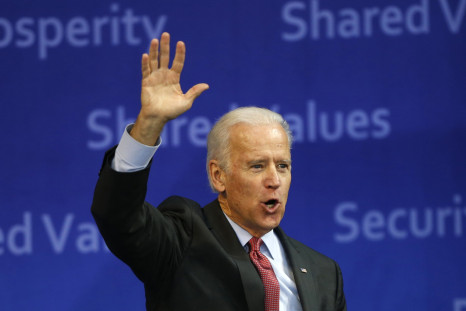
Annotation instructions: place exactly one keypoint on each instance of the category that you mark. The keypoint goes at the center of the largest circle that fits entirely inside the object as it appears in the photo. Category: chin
(272, 224)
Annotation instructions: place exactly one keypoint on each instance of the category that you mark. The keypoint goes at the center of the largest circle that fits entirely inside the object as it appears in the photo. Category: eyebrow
(259, 161)
(252, 162)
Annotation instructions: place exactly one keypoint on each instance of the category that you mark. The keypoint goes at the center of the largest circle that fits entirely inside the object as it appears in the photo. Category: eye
(257, 166)
(283, 166)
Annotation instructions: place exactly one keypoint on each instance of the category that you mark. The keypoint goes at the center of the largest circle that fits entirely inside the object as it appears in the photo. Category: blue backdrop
(374, 92)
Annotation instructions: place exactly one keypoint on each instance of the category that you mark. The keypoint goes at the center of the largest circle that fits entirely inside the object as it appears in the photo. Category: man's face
(259, 177)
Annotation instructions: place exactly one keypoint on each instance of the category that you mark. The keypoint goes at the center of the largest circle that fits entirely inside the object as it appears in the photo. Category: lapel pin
(303, 270)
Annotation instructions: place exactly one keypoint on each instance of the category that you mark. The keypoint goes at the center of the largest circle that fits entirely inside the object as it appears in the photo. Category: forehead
(258, 138)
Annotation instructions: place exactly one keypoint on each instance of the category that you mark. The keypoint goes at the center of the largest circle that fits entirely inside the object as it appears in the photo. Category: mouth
(271, 204)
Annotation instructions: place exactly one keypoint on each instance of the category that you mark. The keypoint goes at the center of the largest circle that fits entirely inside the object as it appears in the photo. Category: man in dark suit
(231, 254)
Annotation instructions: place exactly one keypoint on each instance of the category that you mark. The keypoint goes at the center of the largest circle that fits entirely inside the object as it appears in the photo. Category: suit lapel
(222, 230)
(303, 274)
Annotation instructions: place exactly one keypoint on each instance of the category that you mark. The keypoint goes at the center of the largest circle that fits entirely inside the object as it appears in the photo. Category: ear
(217, 175)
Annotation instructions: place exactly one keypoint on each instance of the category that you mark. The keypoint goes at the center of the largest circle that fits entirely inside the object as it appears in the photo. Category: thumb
(196, 90)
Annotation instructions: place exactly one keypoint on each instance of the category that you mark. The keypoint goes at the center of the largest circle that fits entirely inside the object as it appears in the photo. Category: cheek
(285, 189)
(234, 186)
(286, 184)
(242, 189)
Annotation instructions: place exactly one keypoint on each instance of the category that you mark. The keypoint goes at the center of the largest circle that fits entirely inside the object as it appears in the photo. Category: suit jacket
(189, 258)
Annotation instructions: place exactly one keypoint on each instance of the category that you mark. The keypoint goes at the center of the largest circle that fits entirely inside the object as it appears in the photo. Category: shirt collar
(270, 239)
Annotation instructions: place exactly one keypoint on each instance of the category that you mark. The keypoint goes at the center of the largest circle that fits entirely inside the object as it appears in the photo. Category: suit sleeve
(151, 241)
(340, 302)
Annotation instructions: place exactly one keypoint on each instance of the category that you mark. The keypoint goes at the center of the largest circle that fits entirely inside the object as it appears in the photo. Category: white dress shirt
(131, 156)
(273, 250)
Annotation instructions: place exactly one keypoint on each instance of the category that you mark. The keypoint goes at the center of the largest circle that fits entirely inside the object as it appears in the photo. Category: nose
(272, 179)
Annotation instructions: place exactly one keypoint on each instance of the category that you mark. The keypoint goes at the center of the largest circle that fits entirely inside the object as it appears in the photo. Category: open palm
(161, 96)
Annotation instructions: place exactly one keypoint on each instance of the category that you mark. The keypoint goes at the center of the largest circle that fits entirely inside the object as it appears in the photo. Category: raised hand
(161, 96)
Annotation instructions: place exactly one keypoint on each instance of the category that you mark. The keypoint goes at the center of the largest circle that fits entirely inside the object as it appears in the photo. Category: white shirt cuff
(131, 155)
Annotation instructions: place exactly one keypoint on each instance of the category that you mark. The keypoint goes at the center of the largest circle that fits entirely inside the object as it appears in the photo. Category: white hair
(218, 141)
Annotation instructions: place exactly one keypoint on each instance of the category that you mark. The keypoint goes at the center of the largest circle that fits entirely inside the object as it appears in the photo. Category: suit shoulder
(179, 205)
(307, 251)
(175, 200)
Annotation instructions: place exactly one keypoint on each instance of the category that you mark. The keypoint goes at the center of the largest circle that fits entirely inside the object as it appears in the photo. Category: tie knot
(255, 244)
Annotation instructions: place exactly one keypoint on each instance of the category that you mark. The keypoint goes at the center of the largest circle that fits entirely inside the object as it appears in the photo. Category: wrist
(147, 130)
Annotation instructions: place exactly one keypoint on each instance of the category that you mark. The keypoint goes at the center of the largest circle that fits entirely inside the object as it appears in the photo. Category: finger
(196, 90)
(164, 50)
(154, 54)
(178, 61)
(145, 67)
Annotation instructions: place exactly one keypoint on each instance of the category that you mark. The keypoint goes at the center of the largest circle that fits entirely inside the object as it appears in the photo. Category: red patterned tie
(271, 286)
